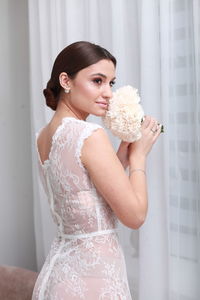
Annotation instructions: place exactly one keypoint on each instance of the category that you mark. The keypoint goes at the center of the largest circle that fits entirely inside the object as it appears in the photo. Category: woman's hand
(150, 130)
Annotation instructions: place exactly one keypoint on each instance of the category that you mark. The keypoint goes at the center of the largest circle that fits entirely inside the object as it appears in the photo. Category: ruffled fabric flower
(125, 114)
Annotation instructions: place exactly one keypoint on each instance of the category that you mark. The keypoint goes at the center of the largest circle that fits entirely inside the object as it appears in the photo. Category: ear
(64, 80)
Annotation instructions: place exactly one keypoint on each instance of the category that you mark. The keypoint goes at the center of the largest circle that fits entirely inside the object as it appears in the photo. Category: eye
(97, 81)
(112, 83)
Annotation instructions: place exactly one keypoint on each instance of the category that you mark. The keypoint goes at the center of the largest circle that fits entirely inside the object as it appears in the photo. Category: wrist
(137, 161)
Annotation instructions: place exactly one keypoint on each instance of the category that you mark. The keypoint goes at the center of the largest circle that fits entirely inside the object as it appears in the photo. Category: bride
(85, 180)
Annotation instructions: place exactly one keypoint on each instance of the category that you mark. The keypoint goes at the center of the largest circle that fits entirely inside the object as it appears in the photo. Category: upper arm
(108, 175)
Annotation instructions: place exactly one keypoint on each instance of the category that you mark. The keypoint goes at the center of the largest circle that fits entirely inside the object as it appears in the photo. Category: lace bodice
(86, 238)
(76, 206)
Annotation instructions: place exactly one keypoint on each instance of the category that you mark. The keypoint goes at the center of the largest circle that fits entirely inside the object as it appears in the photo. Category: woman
(85, 180)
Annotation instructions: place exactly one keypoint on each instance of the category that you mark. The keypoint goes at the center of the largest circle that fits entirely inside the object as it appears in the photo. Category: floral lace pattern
(85, 260)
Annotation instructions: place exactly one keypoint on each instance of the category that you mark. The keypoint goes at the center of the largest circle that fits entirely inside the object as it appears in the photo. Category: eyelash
(99, 80)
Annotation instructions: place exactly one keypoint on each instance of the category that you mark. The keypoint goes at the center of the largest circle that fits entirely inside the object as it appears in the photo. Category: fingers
(154, 128)
(157, 132)
(151, 126)
(124, 144)
(146, 121)
(149, 122)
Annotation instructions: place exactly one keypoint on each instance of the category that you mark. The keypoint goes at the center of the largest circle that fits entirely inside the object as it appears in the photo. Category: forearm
(122, 154)
(139, 182)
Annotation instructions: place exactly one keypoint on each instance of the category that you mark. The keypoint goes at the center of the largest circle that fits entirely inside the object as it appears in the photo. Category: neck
(71, 110)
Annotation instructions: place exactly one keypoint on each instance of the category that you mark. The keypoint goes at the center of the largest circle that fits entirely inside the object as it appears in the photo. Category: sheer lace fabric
(85, 260)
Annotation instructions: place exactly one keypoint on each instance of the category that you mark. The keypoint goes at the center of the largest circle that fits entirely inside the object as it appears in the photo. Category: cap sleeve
(87, 131)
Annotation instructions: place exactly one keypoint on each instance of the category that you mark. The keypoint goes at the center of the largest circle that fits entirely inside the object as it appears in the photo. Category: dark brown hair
(71, 60)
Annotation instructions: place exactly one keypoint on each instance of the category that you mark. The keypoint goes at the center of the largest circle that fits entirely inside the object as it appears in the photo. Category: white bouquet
(125, 115)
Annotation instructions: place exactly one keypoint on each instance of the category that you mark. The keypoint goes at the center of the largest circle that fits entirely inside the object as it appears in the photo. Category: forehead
(103, 66)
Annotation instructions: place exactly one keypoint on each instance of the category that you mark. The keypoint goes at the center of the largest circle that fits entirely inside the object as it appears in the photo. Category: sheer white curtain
(153, 235)
(156, 43)
(181, 55)
(169, 240)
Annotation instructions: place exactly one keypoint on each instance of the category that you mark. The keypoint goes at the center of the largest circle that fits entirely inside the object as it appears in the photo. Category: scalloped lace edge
(86, 133)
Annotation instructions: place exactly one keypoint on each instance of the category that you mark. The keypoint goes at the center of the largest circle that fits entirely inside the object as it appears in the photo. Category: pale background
(156, 43)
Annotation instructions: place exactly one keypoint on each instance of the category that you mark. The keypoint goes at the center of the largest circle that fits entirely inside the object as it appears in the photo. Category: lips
(103, 104)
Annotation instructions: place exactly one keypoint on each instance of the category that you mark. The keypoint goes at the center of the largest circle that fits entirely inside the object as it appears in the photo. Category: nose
(107, 92)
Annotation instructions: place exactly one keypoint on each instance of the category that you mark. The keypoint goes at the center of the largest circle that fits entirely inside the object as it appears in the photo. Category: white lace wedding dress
(85, 260)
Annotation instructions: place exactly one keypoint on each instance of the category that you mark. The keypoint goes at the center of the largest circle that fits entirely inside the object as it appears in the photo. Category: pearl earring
(67, 90)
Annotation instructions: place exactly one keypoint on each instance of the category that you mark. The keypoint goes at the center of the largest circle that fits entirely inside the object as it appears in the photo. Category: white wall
(17, 244)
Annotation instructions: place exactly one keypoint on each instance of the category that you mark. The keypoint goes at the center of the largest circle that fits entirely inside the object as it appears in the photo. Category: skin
(106, 168)
(91, 85)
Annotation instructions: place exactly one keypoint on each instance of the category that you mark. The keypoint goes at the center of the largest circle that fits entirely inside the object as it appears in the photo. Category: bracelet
(135, 170)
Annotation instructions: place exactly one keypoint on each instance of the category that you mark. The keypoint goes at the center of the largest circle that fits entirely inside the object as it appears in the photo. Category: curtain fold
(153, 235)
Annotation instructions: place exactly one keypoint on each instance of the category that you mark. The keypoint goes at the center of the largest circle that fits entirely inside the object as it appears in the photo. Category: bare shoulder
(41, 137)
(97, 141)
(98, 152)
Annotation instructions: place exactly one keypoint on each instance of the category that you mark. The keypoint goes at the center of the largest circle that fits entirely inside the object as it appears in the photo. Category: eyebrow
(102, 75)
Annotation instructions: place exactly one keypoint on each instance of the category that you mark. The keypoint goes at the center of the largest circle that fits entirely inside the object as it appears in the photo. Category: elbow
(139, 217)
(135, 222)
(138, 224)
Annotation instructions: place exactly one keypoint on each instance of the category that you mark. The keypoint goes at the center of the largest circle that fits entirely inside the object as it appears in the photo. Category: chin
(100, 114)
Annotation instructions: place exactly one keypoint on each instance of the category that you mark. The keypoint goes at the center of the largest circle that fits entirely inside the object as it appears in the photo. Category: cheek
(88, 89)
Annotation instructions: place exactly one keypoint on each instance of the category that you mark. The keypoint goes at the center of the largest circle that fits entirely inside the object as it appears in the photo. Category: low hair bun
(50, 99)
